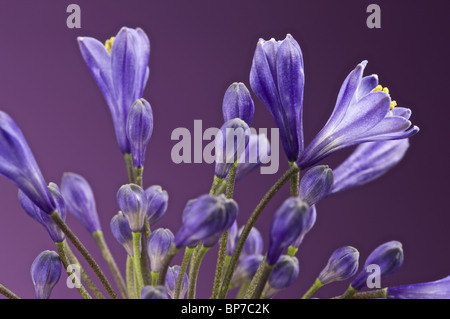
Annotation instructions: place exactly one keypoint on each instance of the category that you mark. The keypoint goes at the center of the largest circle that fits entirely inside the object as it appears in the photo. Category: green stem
(84, 276)
(217, 181)
(267, 270)
(84, 252)
(154, 278)
(193, 271)
(131, 285)
(8, 293)
(242, 291)
(348, 293)
(139, 175)
(65, 261)
(315, 286)
(184, 264)
(374, 294)
(249, 225)
(292, 251)
(295, 180)
(220, 265)
(145, 266)
(231, 180)
(130, 168)
(106, 253)
(254, 282)
(137, 260)
(165, 265)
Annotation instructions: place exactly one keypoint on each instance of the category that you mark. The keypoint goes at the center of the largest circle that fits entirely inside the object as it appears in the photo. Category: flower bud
(157, 203)
(230, 142)
(287, 224)
(342, 265)
(158, 246)
(139, 130)
(256, 153)
(232, 238)
(284, 273)
(133, 203)
(206, 219)
(154, 292)
(238, 103)
(253, 244)
(316, 184)
(121, 231)
(309, 223)
(388, 256)
(171, 282)
(246, 269)
(45, 273)
(80, 201)
(439, 289)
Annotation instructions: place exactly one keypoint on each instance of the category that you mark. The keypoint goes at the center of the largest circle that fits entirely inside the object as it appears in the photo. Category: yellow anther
(379, 88)
(386, 90)
(109, 43)
(393, 104)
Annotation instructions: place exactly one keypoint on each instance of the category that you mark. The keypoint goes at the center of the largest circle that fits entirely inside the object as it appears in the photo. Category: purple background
(198, 49)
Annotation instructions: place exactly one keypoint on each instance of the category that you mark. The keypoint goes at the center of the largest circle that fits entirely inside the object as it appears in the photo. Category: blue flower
(154, 292)
(256, 153)
(238, 103)
(171, 281)
(120, 68)
(121, 231)
(158, 246)
(45, 273)
(439, 289)
(157, 203)
(316, 184)
(342, 265)
(246, 269)
(133, 203)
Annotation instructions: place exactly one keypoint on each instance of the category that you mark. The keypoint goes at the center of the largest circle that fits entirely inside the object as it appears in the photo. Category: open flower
(439, 289)
(364, 112)
(120, 68)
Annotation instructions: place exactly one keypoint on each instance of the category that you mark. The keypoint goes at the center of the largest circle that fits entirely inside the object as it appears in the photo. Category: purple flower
(43, 218)
(206, 219)
(45, 273)
(80, 201)
(362, 114)
(157, 203)
(158, 246)
(246, 269)
(230, 142)
(287, 225)
(316, 184)
(284, 273)
(133, 203)
(121, 231)
(309, 223)
(439, 289)
(368, 162)
(171, 282)
(17, 164)
(120, 68)
(388, 256)
(238, 103)
(232, 238)
(342, 265)
(253, 244)
(277, 78)
(256, 153)
(139, 130)
(154, 292)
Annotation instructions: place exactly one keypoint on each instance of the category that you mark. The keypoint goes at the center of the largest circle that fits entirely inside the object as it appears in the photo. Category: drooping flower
(230, 143)
(342, 265)
(17, 164)
(364, 112)
(238, 103)
(315, 184)
(45, 273)
(154, 292)
(277, 78)
(133, 203)
(368, 162)
(256, 153)
(139, 130)
(287, 225)
(121, 231)
(157, 203)
(439, 289)
(206, 219)
(246, 270)
(80, 201)
(171, 282)
(120, 68)
(284, 273)
(158, 246)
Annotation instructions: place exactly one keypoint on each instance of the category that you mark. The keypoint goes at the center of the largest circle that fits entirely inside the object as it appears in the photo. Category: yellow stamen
(109, 43)
(379, 88)
(393, 104)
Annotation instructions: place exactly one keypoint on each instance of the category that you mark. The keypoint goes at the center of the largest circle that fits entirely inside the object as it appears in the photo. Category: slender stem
(66, 263)
(315, 286)
(154, 278)
(184, 264)
(84, 276)
(252, 286)
(348, 293)
(221, 187)
(137, 260)
(131, 278)
(263, 280)
(84, 252)
(242, 291)
(220, 265)
(8, 293)
(193, 271)
(165, 265)
(248, 226)
(295, 180)
(216, 183)
(145, 266)
(374, 294)
(231, 180)
(106, 253)
(139, 175)
(130, 168)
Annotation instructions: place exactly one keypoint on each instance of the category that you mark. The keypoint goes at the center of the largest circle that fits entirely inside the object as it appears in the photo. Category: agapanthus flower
(342, 265)
(157, 203)
(439, 289)
(316, 184)
(158, 246)
(256, 153)
(230, 143)
(45, 273)
(17, 164)
(232, 238)
(364, 112)
(154, 292)
(238, 103)
(368, 162)
(277, 78)
(171, 281)
(253, 244)
(206, 219)
(120, 68)
(284, 273)
(307, 226)
(133, 203)
(139, 130)
(80, 201)
(121, 231)
(246, 269)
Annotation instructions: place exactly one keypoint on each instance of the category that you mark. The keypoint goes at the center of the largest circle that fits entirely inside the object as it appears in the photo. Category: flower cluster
(364, 116)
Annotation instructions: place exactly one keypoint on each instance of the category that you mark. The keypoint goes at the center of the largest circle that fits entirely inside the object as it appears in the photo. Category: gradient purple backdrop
(198, 49)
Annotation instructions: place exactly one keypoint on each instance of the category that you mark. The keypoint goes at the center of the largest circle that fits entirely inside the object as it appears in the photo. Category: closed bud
(158, 246)
(238, 103)
(246, 270)
(157, 203)
(121, 231)
(232, 238)
(256, 153)
(342, 265)
(154, 292)
(253, 244)
(316, 184)
(439, 289)
(133, 203)
(284, 273)
(309, 223)
(171, 282)
(45, 273)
